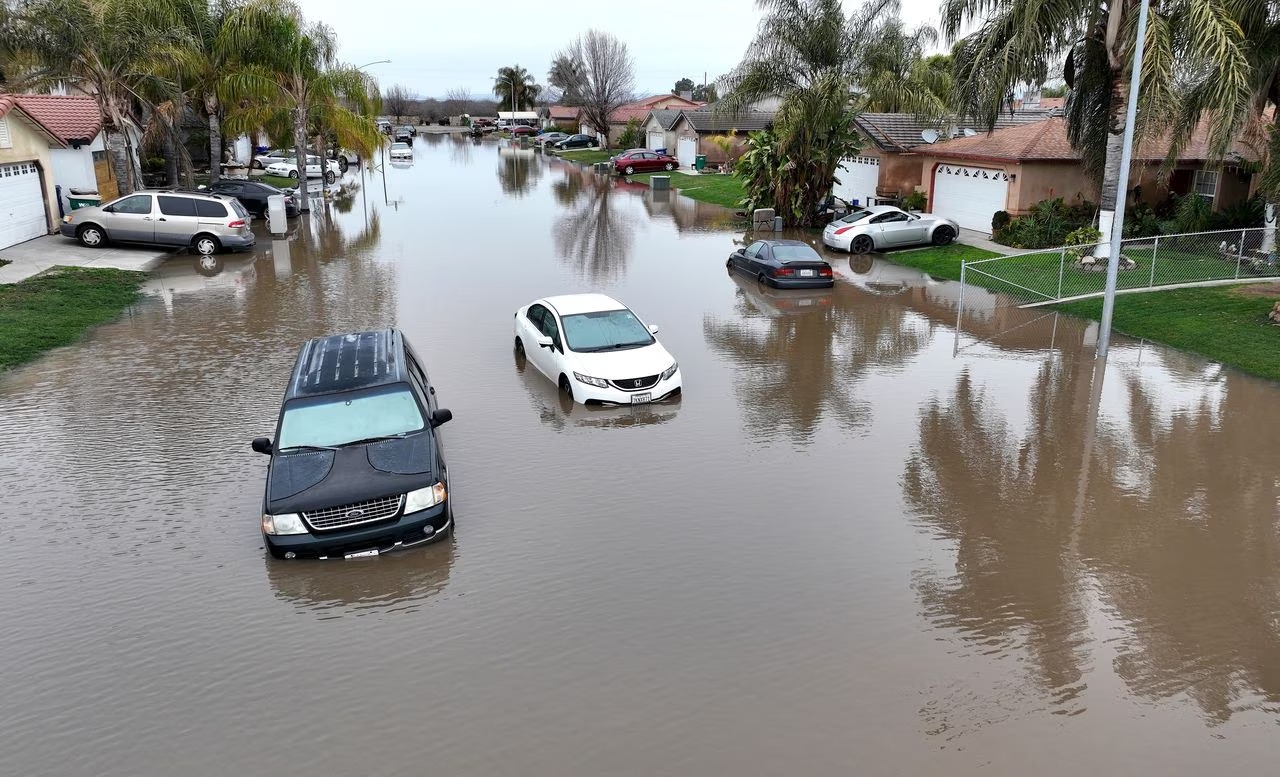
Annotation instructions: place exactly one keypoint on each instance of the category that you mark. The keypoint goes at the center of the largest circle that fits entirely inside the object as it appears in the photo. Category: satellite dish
(953, 131)
(929, 136)
(969, 132)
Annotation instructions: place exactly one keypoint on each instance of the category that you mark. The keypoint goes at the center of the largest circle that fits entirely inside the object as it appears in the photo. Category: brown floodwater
(862, 543)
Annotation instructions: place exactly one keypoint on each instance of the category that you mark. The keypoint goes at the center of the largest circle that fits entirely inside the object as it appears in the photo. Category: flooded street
(862, 543)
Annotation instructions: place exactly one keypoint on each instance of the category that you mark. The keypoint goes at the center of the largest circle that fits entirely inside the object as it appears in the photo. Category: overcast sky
(438, 46)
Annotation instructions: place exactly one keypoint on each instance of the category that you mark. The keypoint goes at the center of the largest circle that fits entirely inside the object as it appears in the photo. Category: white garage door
(970, 195)
(22, 214)
(657, 140)
(687, 151)
(857, 177)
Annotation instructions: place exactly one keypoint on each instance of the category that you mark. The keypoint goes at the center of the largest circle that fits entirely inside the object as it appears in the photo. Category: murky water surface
(861, 544)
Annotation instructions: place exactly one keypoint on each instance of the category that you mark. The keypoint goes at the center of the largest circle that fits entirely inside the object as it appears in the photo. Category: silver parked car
(207, 223)
(879, 227)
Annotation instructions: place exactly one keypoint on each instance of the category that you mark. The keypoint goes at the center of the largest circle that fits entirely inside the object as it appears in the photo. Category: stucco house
(970, 178)
(563, 115)
(28, 205)
(693, 130)
(80, 162)
(657, 129)
(638, 110)
(888, 166)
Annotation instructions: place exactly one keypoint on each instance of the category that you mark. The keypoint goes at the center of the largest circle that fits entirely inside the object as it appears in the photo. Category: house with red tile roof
(970, 178)
(28, 205)
(80, 162)
(638, 110)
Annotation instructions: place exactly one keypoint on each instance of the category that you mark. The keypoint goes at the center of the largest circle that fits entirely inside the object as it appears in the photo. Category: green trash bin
(82, 199)
(700, 161)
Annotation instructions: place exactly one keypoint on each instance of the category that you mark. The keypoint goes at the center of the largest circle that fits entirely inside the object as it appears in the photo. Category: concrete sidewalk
(36, 256)
(970, 237)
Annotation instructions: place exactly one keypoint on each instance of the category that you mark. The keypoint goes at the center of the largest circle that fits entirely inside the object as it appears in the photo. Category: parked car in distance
(401, 151)
(577, 141)
(596, 350)
(523, 129)
(384, 126)
(356, 463)
(204, 221)
(253, 195)
(783, 264)
(413, 131)
(288, 168)
(345, 158)
(550, 138)
(879, 227)
(261, 161)
(643, 162)
(402, 135)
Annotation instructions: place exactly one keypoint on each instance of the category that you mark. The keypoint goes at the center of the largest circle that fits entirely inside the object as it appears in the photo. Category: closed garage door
(657, 140)
(22, 213)
(969, 195)
(687, 151)
(857, 178)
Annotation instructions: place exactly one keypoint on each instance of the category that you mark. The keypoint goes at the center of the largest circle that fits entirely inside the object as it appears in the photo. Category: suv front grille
(353, 514)
(636, 384)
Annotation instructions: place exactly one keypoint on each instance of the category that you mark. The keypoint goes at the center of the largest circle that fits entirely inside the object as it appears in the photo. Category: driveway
(36, 256)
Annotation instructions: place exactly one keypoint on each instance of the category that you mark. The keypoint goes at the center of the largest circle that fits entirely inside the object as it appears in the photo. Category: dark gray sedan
(783, 264)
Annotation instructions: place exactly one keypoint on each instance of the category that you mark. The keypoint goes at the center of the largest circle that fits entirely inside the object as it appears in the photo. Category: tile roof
(11, 102)
(68, 117)
(901, 131)
(657, 98)
(722, 121)
(1047, 141)
(563, 111)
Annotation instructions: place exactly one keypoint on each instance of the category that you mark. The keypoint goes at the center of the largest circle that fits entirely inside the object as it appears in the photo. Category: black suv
(356, 467)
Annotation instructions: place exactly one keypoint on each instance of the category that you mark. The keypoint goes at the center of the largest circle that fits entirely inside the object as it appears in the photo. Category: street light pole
(1122, 187)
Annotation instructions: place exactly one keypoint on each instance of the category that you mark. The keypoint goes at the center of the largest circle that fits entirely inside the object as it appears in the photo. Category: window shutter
(5, 141)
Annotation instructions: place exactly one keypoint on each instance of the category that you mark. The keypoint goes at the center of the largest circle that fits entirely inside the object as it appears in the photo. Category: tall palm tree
(295, 80)
(516, 87)
(105, 48)
(898, 76)
(1021, 41)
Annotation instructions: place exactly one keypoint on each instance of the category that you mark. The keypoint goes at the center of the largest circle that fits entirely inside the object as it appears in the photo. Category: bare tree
(396, 100)
(457, 101)
(604, 71)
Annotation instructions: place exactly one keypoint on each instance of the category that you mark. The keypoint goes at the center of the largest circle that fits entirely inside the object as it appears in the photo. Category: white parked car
(288, 168)
(401, 151)
(596, 350)
(879, 227)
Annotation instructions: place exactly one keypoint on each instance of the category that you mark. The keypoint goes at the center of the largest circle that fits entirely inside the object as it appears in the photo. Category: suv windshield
(605, 330)
(341, 419)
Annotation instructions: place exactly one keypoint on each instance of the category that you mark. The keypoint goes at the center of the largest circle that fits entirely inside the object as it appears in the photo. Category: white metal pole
(1122, 189)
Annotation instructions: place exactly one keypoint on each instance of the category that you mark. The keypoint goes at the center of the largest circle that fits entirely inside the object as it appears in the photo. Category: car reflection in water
(780, 302)
(560, 412)
(401, 581)
(187, 274)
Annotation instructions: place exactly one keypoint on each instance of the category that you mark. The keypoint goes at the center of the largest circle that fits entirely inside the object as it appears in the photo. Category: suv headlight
(601, 382)
(668, 372)
(284, 523)
(423, 498)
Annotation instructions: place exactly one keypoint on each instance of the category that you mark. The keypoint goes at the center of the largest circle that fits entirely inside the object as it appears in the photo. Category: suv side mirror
(261, 445)
(441, 416)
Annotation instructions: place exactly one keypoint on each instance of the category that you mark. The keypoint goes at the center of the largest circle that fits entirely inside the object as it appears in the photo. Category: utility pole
(1122, 188)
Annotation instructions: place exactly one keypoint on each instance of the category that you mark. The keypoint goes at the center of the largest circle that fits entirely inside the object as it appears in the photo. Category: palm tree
(105, 48)
(516, 87)
(296, 82)
(811, 56)
(1026, 41)
(899, 77)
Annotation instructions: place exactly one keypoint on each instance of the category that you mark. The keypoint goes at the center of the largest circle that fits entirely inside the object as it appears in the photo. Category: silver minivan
(207, 223)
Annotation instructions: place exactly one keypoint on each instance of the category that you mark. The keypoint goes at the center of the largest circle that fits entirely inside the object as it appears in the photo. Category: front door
(131, 219)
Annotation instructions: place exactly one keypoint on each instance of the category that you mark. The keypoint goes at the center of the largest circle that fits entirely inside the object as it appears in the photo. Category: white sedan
(401, 151)
(288, 168)
(596, 350)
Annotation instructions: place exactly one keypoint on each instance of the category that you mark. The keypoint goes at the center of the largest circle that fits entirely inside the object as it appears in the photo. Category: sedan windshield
(855, 217)
(789, 253)
(341, 419)
(605, 330)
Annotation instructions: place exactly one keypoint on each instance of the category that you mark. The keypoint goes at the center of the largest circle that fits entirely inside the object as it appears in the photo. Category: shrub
(999, 220)
(631, 136)
(914, 201)
(1191, 213)
(1141, 221)
(1084, 238)
(1046, 224)
(1239, 216)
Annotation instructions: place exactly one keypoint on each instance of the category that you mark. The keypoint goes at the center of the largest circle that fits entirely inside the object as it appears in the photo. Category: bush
(1191, 213)
(999, 220)
(631, 136)
(1046, 225)
(1084, 238)
(1141, 221)
(914, 201)
(1239, 216)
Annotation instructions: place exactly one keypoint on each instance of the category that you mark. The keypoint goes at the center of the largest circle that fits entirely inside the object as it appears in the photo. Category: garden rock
(1274, 315)
(1094, 264)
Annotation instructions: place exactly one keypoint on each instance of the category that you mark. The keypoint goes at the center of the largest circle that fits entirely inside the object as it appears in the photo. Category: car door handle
(146, 218)
(162, 218)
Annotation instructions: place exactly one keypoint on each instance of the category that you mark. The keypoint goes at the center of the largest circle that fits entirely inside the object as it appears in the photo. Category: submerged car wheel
(91, 236)
(565, 387)
(943, 235)
(205, 245)
(861, 245)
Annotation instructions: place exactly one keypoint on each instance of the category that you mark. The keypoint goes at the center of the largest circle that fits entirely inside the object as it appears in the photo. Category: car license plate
(640, 399)
(806, 273)
(362, 553)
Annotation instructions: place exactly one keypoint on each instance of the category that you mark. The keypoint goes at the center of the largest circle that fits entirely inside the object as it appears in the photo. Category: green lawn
(281, 182)
(55, 308)
(586, 156)
(1221, 323)
(717, 189)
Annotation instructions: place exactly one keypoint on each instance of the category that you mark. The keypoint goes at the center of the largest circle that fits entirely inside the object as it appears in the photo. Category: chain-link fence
(1072, 272)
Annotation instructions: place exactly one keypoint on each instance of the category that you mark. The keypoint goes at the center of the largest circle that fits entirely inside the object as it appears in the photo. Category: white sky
(444, 44)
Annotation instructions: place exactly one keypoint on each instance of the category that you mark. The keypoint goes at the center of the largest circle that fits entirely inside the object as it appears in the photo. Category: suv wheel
(206, 245)
(91, 236)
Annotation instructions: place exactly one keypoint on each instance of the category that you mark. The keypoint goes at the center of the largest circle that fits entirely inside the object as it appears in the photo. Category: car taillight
(825, 272)
(842, 230)
(237, 224)
(784, 271)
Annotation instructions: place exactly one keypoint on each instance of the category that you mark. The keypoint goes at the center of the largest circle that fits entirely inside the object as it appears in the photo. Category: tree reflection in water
(593, 234)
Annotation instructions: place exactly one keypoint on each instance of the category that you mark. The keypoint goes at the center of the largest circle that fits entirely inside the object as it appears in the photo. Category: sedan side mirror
(653, 329)
(262, 445)
(441, 416)
(544, 341)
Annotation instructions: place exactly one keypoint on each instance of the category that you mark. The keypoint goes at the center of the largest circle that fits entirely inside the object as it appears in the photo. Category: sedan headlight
(668, 372)
(284, 523)
(415, 501)
(599, 382)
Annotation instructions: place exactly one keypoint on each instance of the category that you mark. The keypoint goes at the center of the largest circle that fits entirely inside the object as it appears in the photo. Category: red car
(643, 162)
(523, 129)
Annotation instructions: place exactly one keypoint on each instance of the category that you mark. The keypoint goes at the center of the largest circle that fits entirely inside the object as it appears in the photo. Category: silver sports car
(879, 227)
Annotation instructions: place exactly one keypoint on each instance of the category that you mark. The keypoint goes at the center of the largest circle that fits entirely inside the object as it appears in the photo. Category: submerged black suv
(356, 467)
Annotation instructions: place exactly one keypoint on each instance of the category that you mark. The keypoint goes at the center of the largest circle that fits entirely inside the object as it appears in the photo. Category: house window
(1206, 183)
(100, 156)
(5, 141)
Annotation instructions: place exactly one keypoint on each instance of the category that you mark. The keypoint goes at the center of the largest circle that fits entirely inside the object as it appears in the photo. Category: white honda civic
(596, 350)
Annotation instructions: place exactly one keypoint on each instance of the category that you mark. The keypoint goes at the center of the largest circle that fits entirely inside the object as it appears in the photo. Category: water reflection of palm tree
(593, 234)
(798, 369)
